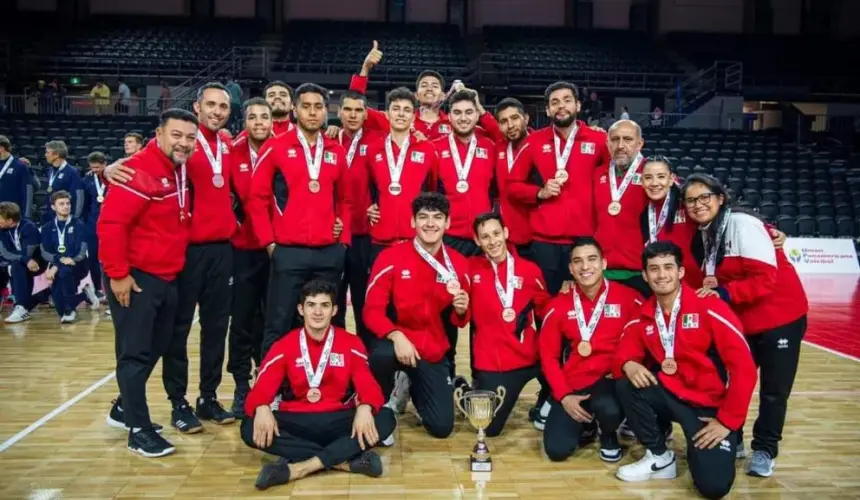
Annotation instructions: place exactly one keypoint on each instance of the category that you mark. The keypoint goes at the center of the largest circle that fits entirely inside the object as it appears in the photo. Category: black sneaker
(116, 418)
(461, 382)
(148, 443)
(239, 397)
(183, 418)
(588, 435)
(273, 475)
(368, 463)
(211, 409)
(610, 449)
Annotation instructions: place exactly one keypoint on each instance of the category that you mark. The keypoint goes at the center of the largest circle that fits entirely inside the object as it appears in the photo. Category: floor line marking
(832, 351)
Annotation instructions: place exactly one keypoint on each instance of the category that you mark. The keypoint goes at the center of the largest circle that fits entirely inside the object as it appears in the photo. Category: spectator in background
(164, 97)
(124, 101)
(657, 117)
(16, 181)
(235, 99)
(101, 97)
(595, 109)
(132, 143)
(625, 113)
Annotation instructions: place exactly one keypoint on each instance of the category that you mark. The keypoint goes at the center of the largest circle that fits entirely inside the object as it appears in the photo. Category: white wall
(516, 12)
(235, 8)
(145, 7)
(714, 16)
(612, 14)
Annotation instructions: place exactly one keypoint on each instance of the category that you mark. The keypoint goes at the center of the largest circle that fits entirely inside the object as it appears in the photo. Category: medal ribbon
(667, 334)
(16, 236)
(315, 377)
(446, 272)
(462, 168)
(353, 146)
(655, 224)
(710, 264)
(506, 294)
(254, 158)
(52, 175)
(395, 169)
(61, 235)
(216, 161)
(181, 188)
(586, 330)
(561, 159)
(314, 163)
(6, 165)
(615, 190)
(100, 187)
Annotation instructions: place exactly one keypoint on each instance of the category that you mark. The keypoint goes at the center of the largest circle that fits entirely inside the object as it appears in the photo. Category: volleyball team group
(635, 298)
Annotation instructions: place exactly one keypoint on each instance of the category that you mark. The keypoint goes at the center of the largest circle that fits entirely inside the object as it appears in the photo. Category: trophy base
(481, 465)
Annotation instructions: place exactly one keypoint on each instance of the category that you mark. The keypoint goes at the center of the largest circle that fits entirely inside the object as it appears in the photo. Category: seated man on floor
(328, 413)
(700, 346)
(19, 249)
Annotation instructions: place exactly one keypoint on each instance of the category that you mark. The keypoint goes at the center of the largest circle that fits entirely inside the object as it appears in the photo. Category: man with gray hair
(62, 176)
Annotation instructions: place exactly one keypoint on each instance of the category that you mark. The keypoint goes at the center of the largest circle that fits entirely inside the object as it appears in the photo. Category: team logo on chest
(481, 153)
(291, 153)
(418, 157)
(336, 359)
(476, 279)
(547, 148)
(362, 150)
(690, 321)
(587, 148)
(444, 129)
(612, 311)
(446, 154)
(329, 157)
(405, 274)
(243, 167)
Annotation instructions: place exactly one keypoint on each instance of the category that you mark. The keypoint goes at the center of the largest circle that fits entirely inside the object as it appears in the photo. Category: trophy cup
(480, 407)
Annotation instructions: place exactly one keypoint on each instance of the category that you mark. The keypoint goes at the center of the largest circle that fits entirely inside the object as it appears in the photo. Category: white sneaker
(69, 318)
(389, 441)
(400, 394)
(18, 315)
(649, 467)
(108, 313)
(540, 422)
(92, 298)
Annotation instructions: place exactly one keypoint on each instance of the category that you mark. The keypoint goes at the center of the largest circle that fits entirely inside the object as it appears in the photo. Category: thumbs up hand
(373, 58)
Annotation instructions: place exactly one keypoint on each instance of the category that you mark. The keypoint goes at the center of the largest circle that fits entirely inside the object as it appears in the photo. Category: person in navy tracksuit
(65, 177)
(64, 247)
(19, 249)
(94, 196)
(16, 185)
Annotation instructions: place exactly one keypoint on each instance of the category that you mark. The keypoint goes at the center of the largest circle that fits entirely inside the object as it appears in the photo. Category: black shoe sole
(225, 421)
(192, 430)
(162, 453)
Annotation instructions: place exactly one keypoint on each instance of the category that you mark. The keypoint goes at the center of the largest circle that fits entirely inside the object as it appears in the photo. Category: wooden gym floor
(56, 385)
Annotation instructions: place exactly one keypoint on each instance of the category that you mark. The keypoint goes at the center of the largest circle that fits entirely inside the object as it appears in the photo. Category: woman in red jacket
(742, 266)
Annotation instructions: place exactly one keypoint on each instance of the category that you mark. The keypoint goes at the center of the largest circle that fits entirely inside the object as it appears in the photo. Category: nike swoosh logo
(654, 467)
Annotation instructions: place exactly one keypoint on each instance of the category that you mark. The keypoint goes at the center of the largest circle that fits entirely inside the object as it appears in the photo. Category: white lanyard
(254, 158)
(100, 188)
(315, 377)
(586, 330)
(463, 168)
(506, 294)
(667, 334)
(52, 175)
(6, 165)
(314, 163)
(353, 146)
(655, 224)
(216, 161)
(181, 190)
(395, 169)
(561, 157)
(16, 236)
(710, 264)
(615, 190)
(446, 272)
(61, 235)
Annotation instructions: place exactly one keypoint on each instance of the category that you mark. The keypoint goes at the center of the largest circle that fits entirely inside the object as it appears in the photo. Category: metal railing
(83, 105)
(721, 77)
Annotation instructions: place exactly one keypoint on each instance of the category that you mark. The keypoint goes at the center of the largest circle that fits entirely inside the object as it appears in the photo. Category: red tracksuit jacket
(298, 216)
(241, 174)
(401, 277)
(763, 287)
(359, 178)
(212, 217)
(516, 214)
(140, 225)
(570, 214)
(620, 235)
(478, 199)
(702, 379)
(680, 230)
(498, 345)
(560, 336)
(347, 369)
(419, 174)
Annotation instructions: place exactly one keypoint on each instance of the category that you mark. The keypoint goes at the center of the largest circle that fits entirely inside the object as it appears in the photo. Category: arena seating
(340, 47)
(803, 190)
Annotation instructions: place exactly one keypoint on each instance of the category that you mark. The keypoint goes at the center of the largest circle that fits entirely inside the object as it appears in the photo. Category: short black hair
(312, 88)
(586, 241)
(559, 86)
(660, 159)
(431, 202)
(254, 101)
(510, 102)
(355, 95)
(484, 218)
(318, 287)
(137, 137)
(278, 83)
(211, 85)
(432, 74)
(96, 157)
(464, 95)
(401, 94)
(177, 114)
(661, 249)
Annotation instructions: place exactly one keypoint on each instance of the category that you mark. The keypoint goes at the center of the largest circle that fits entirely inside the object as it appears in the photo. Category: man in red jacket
(279, 95)
(250, 260)
(700, 345)
(415, 287)
(578, 340)
(316, 404)
(144, 229)
(299, 192)
(513, 124)
(508, 294)
(619, 201)
(207, 276)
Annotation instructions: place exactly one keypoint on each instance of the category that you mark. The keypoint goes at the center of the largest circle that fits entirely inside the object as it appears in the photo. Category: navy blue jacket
(17, 185)
(66, 178)
(92, 207)
(29, 239)
(75, 240)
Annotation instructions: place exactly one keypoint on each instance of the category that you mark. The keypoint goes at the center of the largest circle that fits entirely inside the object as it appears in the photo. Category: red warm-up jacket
(564, 368)
(359, 178)
(498, 345)
(282, 207)
(212, 218)
(140, 225)
(241, 175)
(715, 366)
(400, 277)
(570, 214)
(680, 230)
(283, 375)
(620, 235)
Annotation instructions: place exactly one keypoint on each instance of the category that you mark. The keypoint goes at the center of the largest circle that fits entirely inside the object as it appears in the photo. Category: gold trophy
(480, 407)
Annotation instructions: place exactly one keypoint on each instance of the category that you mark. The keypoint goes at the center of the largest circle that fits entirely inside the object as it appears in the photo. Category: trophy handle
(500, 395)
(459, 399)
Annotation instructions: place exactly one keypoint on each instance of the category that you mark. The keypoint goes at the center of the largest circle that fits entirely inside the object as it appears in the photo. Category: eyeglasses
(702, 199)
